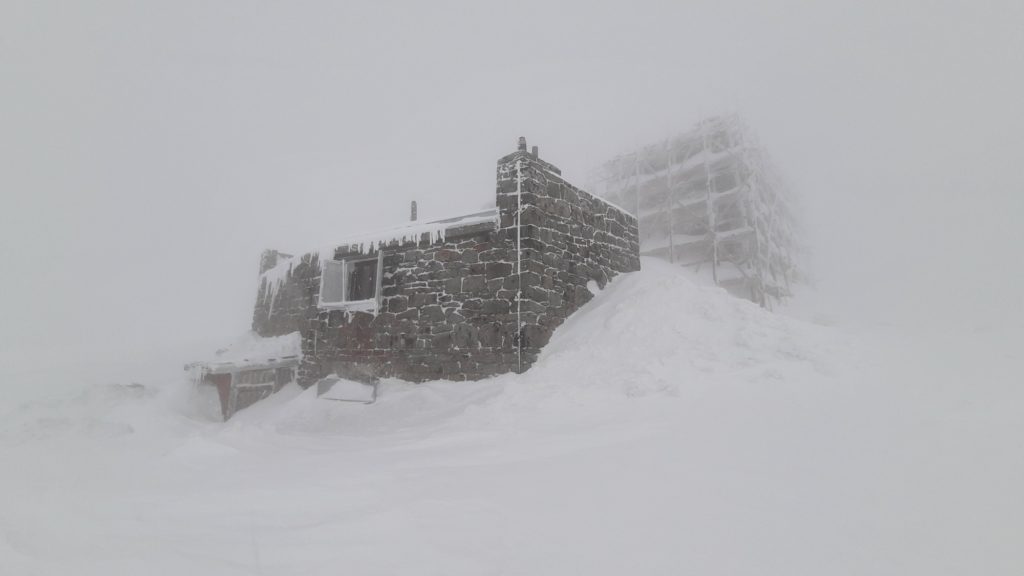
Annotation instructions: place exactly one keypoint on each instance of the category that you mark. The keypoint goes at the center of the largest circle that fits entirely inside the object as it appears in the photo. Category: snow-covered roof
(411, 232)
(253, 351)
(414, 231)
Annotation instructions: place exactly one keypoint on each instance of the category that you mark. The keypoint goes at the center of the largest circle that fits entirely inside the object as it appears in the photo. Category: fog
(150, 151)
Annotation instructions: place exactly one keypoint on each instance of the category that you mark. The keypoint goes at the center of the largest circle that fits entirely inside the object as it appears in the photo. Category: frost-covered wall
(451, 305)
(570, 239)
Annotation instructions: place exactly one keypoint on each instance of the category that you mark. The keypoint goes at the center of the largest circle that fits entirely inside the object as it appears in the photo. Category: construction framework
(710, 199)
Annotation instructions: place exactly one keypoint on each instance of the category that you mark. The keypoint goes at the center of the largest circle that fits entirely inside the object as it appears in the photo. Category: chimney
(270, 258)
(522, 143)
(535, 153)
(412, 211)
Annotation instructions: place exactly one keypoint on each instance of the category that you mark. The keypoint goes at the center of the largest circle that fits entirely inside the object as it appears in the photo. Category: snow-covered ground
(668, 429)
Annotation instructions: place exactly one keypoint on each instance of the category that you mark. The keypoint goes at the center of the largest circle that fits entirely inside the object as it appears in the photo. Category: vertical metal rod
(519, 262)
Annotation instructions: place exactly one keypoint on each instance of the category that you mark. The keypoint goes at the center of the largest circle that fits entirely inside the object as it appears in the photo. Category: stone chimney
(270, 258)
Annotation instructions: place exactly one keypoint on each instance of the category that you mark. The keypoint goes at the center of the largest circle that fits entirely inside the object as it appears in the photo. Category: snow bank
(667, 429)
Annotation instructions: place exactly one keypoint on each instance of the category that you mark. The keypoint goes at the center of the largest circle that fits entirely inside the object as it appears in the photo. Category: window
(362, 280)
(351, 284)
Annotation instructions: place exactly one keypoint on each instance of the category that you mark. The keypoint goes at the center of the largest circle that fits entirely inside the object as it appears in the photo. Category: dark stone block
(431, 314)
(422, 299)
(495, 306)
(443, 340)
(408, 341)
(528, 306)
(554, 299)
(335, 318)
(473, 284)
(498, 269)
(383, 320)
(493, 254)
(489, 335)
(531, 215)
(446, 255)
(531, 278)
(397, 304)
(463, 336)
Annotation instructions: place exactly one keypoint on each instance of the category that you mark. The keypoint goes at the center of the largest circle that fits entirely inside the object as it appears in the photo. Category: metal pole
(519, 262)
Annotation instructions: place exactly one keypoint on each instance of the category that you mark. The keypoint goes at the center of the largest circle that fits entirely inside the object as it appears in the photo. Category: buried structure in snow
(459, 299)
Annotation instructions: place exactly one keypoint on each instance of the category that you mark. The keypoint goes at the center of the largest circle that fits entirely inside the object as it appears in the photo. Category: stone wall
(452, 309)
(286, 308)
(570, 238)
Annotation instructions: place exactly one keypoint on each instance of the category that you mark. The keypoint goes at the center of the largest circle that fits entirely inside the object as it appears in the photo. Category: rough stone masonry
(482, 300)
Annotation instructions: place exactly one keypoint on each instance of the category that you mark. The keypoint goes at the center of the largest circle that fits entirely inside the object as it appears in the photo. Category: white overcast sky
(150, 150)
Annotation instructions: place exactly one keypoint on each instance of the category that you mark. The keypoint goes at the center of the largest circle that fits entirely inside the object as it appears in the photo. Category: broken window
(350, 282)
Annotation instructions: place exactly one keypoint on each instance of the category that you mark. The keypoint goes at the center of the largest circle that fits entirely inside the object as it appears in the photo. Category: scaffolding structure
(710, 199)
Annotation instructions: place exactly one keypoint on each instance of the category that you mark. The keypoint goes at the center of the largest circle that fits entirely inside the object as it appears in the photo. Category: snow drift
(667, 429)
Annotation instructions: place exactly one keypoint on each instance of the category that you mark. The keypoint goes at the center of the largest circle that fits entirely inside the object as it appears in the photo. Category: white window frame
(367, 305)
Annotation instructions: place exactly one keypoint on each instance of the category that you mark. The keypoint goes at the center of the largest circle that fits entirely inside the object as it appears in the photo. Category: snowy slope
(667, 429)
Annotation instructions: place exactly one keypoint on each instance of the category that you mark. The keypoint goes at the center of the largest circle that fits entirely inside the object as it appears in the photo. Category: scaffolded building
(710, 199)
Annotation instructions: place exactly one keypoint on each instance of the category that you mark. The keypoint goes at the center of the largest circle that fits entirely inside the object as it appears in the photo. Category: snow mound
(655, 331)
(668, 428)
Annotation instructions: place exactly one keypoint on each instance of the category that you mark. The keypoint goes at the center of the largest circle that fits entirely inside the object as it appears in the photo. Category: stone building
(458, 299)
